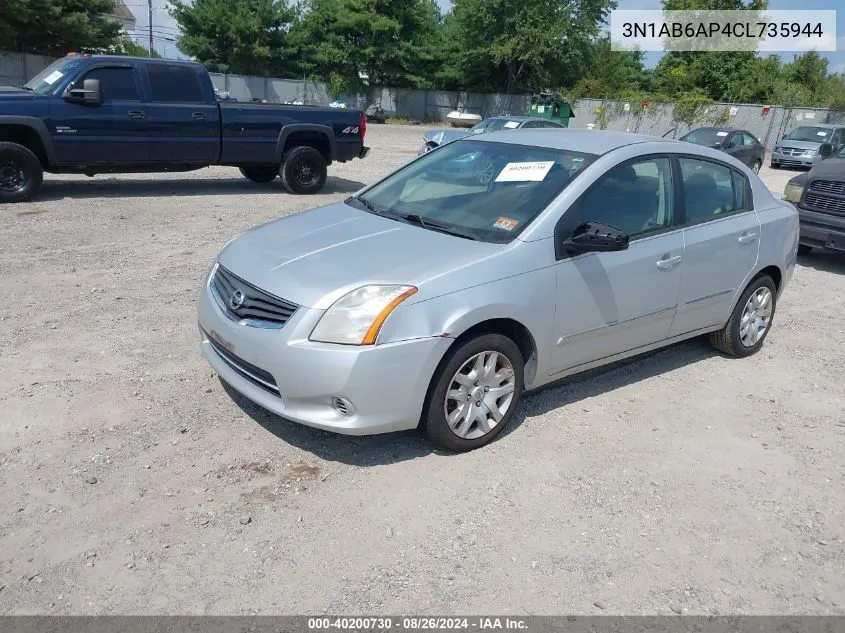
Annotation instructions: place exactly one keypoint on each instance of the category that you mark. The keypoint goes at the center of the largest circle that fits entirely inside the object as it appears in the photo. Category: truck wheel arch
(31, 133)
(321, 137)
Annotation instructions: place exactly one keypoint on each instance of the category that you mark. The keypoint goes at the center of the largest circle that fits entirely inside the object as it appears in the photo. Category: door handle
(747, 238)
(668, 262)
(137, 114)
(198, 116)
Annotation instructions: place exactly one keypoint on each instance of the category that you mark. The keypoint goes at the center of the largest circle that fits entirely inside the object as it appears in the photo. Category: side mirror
(826, 150)
(89, 94)
(592, 237)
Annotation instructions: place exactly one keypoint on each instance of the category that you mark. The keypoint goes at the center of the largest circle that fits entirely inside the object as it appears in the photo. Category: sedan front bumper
(381, 388)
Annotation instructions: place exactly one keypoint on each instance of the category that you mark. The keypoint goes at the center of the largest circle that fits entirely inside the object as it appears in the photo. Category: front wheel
(21, 173)
(260, 173)
(475, 393)
(303, 170)
(751, 320)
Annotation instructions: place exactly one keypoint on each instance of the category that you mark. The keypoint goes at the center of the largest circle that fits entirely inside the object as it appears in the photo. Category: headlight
(357, 317)
(811, 152)
(792, 193)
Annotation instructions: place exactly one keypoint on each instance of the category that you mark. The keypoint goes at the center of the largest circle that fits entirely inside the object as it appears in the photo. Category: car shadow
(104, 186)
(824, 261)
(390, 448)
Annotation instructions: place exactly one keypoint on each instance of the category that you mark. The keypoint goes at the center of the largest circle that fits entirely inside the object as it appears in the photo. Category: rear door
(114, 132)
(721, 242)
(184, 118)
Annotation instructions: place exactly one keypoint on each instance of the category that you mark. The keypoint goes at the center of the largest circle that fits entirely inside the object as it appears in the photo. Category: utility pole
(150, 13)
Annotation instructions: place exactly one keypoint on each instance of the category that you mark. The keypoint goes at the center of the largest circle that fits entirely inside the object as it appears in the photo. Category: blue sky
(164, 28)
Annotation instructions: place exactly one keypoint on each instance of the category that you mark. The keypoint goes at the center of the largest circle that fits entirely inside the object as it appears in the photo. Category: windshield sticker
(512, 124)
(525, 172)
(53, 77)
(721, 133)
(821, 133)
(506, 224)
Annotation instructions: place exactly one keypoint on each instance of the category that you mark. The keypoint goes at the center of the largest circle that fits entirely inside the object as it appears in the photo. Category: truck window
(175, 83)
(117, 84)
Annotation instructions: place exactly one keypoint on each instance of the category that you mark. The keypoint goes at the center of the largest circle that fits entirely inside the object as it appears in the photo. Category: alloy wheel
(756, 317)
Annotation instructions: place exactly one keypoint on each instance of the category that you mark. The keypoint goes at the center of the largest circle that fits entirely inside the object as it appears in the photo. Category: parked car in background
(800, 148)
(436, 138)
(94, 114)
(740, 144)
(819, 195)
(433, 299)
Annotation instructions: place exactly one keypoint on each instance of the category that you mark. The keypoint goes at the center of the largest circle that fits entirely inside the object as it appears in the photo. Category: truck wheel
(303, 170)
(21, 174)
(259, 174)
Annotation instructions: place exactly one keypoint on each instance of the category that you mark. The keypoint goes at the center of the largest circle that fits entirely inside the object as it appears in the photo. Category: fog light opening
(342, 406)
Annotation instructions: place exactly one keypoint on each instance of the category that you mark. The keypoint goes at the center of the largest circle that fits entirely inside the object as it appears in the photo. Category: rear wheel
(751, 320)
(260, 173)
(303, 170)
(475, 393)
(21, 174)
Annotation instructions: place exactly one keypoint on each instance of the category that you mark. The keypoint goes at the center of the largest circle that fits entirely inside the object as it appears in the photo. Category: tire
(803, 249)
(259, 174)
(755, 167)
(473, 435)
(731, 339)
(21, 173)
(303, 170)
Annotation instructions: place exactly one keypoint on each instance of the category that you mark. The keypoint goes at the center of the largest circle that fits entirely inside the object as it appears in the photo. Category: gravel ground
(133, 482)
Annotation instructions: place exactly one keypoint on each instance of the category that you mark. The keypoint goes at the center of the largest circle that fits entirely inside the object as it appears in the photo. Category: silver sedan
(490, 266)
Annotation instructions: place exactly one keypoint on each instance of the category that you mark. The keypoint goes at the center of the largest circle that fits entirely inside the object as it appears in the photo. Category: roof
(586, 141)
(825, 125)
(122, 11)
(146, 60)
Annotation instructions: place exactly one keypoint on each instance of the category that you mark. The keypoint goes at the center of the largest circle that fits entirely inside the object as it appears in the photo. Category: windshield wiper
(435, 226)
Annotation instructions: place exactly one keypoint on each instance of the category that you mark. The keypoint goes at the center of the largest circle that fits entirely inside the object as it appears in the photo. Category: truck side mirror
(826, 150)
(89, 94)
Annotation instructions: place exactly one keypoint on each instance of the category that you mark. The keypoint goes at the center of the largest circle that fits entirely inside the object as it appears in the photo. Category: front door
(612, 302)
(113, 133)
(722, 240)
(184, 126)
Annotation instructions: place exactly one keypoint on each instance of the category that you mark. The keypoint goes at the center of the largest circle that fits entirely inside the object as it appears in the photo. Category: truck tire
(21, 174)
(303, 170)
(257, 173)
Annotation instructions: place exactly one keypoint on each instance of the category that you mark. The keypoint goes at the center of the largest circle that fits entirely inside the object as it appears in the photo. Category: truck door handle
(137, 114)
(668, 262)
(198, 116)
(747, 238)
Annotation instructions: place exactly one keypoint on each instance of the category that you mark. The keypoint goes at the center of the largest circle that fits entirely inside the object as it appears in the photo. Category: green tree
(125, 46)
(509, 46)
(358, 43)
(246, 37)
(56, 27)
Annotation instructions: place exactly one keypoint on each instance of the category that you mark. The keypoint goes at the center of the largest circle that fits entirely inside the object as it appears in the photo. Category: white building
(124, 16)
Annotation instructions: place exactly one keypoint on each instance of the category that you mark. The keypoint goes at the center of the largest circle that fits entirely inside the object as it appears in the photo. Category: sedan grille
(828, 186)
(245, 303)
(253, 374)
(792, 151)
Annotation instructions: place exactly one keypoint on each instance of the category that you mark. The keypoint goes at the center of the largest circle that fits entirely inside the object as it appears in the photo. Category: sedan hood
(798, 144)
(313, 258)
(831, 168)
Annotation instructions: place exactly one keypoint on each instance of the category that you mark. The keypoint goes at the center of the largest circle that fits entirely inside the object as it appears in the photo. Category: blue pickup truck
(93, 114)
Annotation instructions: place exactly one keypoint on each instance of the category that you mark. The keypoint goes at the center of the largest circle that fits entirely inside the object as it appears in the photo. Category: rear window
(175, 84)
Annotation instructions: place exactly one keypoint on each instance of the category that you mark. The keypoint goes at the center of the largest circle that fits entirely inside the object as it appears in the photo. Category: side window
(749, 140)
(710, 190)
(634, 197)
(552, 124)
(531, 124)
(175, 84)
(117, 84)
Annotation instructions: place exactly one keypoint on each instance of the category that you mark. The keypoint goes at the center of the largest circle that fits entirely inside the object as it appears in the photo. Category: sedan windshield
(493, 125)
(809, 133)
(706, 136)
(48, 78)
(475, 189)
